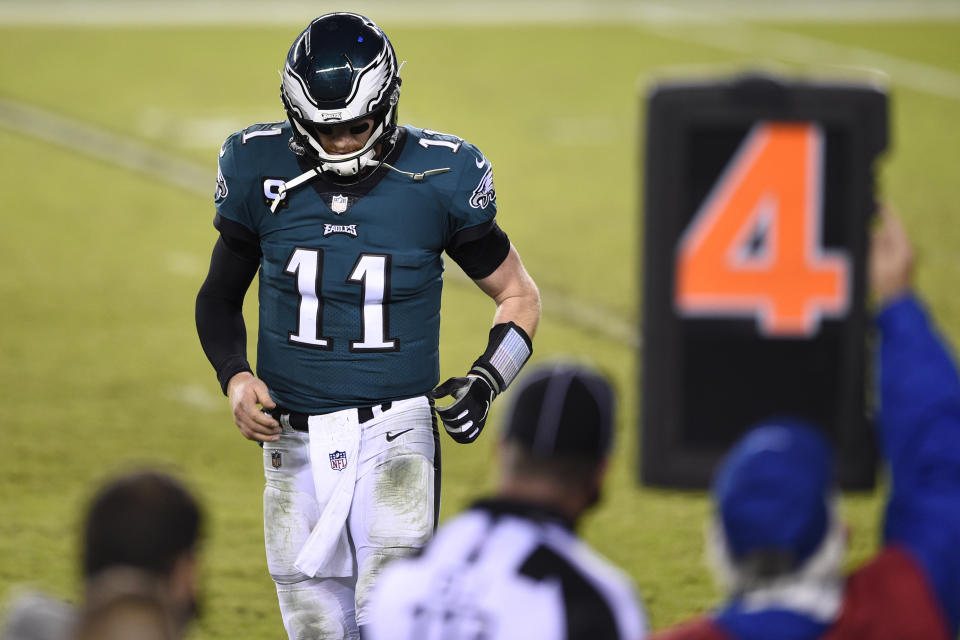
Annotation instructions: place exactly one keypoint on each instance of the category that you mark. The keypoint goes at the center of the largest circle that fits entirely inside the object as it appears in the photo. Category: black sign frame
(857, 114)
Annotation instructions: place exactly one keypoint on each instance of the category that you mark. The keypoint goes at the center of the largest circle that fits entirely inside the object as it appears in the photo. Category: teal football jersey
(351, 275)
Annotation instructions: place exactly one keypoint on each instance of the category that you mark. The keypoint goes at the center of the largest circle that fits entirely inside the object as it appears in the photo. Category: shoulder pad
(239, 169)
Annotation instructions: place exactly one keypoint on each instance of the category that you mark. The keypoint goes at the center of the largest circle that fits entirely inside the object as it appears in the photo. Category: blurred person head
(31, 615)
(775, 517)
(123, 603)
(557, 438)
(148, 523)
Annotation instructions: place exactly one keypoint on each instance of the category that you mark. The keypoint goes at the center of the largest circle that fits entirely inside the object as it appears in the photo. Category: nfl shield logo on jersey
(338, 460)
(339, 204)
(275, 459)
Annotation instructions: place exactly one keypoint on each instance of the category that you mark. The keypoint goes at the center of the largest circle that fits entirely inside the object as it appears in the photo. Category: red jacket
(889, 598)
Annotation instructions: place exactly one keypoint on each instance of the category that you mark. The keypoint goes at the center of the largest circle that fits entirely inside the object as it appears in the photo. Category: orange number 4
(754, 247)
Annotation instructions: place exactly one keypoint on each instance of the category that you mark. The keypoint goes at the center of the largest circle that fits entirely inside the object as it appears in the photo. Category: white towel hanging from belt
(334, 453)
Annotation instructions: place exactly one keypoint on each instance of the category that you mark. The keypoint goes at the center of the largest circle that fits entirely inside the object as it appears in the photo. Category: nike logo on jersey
(393, 435)
(480, 162)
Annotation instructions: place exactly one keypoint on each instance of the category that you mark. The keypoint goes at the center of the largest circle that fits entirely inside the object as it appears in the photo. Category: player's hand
(247, 393)
(464, 419)
(891, 258)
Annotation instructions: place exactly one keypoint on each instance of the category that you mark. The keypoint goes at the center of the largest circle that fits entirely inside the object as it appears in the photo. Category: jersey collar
(499, 507)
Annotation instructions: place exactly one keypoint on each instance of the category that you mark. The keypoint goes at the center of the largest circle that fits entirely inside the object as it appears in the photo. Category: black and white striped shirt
(505, 570)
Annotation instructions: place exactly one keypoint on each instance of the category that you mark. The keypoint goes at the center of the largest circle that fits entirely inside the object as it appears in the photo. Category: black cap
(562, 409)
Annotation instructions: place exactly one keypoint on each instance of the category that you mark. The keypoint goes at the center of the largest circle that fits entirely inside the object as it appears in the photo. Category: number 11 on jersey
(754, 247)
(371, 271)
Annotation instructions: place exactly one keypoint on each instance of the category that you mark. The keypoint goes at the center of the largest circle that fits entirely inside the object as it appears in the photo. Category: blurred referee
(512, 566)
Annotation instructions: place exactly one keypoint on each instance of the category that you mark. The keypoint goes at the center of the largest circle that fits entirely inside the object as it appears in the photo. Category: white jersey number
(371, 272)
(438, 139)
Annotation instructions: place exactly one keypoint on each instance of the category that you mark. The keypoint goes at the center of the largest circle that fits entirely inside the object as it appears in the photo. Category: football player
(345, 215)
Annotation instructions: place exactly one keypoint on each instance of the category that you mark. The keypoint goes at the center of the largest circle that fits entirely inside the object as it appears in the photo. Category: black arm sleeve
(219, 310)
(480, 250)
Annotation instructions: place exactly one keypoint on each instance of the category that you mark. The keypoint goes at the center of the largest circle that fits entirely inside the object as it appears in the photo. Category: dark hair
(145, 520)
(572, 471)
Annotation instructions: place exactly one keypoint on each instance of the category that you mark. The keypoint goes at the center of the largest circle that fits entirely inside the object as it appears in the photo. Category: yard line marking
(197, 397)
(726, 26)
(127, 153)
(107, 146)
(765, 42)
(98, 13)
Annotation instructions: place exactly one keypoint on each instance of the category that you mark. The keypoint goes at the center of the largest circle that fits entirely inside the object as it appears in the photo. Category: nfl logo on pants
(338, 460)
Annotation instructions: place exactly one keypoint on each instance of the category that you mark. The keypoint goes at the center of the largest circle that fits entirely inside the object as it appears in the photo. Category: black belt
(298, 420)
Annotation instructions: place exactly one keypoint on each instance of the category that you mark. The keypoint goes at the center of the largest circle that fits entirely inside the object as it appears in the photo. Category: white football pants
(393, 514)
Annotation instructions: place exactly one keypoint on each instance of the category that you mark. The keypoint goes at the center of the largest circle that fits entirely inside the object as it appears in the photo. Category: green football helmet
(339, 70)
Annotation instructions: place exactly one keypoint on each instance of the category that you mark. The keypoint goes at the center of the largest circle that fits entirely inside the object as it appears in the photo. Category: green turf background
(100, 368)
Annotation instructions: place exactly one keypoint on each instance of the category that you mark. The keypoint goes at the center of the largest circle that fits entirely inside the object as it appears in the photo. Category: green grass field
(100, 367)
